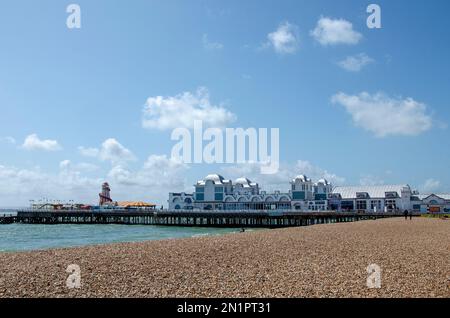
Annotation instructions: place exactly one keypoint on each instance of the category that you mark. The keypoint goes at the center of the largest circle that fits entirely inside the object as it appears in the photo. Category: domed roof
(214, 177)
(323, 181)
(302, 178)
(242, 181)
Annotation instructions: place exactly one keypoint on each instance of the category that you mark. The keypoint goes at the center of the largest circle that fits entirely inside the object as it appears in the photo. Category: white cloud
(182, 110)
(87, 167)
(384, 116)
(8, 140)
(110, 150)
(113, 151)
(280, 180)
(335, 31)
(17, 186)
(151, 183)
(210, 45)
(369, 180)
(32, 142)
(82, 166)
(285, 39)
(356, 62)
(158, 171)
(268, 182)
(88, 152)
(315, 172)
(64, 164)
(431, 185)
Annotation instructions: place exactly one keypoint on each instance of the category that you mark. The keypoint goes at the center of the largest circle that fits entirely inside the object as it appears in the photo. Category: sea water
(24, 237)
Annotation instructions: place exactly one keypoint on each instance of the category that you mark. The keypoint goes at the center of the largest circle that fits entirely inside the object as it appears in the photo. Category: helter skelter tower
(105, 196)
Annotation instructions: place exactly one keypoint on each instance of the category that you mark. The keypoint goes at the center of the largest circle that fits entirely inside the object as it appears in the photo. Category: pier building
(214, 192)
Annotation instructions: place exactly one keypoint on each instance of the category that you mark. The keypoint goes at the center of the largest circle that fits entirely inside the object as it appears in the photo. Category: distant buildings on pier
(215, 192)
(105, 203)
(105, 195)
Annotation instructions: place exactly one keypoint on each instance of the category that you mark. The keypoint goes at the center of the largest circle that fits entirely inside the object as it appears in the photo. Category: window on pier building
(320, 196)
(347, 205)
(334, 206)
(298, 195)
(361, 205)
(218, 196)
(218, 190)
(391, 204)
(375, 204)
(199, 196)
(200, 189)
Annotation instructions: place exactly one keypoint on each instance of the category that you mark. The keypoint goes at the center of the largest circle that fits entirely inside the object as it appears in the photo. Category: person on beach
(410, 215)
(406, 214)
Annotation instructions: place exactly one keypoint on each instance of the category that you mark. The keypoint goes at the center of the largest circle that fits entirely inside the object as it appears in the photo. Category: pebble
(327, 260)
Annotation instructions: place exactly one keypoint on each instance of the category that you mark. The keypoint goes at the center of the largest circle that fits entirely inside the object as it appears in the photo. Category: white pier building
(215, 192)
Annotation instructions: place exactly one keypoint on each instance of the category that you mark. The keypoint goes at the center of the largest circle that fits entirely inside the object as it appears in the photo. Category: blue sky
(358, 105)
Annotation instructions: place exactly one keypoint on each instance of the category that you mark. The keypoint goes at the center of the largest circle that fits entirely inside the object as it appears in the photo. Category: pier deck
(230, 219)
(7, 219)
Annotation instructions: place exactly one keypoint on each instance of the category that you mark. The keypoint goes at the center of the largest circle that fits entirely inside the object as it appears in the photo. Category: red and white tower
(105, 196)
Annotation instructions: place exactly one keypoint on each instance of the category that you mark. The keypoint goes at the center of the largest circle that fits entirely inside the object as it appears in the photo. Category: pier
(224, 219)
(7, 219)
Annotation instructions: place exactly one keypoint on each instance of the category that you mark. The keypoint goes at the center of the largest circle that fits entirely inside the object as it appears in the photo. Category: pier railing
(208, 212)
(218, 218)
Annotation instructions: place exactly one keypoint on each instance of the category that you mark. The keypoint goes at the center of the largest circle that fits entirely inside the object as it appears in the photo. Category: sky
(356, 105)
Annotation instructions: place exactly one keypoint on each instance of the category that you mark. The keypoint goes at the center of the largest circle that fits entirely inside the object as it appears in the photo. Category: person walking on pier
(410, 215)
(406, 214)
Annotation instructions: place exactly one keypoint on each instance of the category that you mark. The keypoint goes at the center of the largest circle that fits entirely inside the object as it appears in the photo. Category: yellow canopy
(135, 204)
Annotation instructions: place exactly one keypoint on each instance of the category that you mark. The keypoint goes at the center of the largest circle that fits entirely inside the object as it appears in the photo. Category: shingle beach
(327, 260)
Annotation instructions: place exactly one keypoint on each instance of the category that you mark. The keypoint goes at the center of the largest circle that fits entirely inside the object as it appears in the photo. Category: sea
(27, 237)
